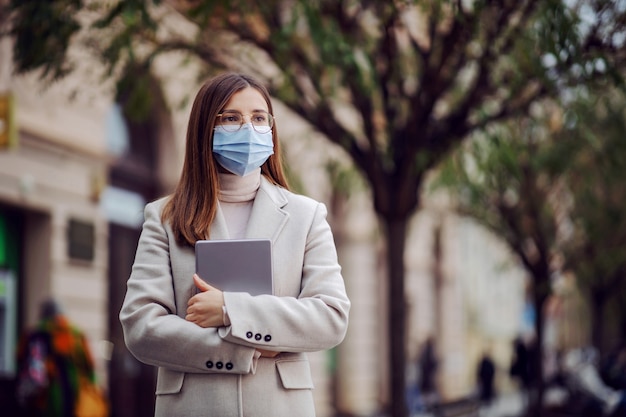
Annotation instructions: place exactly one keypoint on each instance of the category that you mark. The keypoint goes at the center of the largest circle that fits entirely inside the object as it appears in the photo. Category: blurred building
(75, 174)
(53, 237)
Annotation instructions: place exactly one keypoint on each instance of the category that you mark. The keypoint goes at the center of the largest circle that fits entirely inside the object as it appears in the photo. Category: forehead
(247, 100)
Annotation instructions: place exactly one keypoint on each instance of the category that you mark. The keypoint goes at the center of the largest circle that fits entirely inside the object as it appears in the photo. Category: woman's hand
(205, 308)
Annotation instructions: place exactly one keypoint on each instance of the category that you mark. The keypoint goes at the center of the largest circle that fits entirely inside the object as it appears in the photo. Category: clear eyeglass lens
(232, 121)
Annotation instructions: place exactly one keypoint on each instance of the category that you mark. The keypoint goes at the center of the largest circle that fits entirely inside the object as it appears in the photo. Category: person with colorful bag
(54, 366)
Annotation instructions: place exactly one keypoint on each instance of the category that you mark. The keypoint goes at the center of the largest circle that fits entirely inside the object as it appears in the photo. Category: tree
(553, 190)
(508, 180)
(417, 77)
(595, 130)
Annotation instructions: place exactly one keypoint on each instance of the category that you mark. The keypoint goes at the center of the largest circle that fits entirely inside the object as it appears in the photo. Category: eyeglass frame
(270, 125)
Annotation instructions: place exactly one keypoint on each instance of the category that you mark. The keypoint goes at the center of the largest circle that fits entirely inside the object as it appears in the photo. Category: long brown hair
(191, 209)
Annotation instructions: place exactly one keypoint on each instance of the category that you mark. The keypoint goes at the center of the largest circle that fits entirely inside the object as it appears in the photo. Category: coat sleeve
(316, 319)
(153, 332)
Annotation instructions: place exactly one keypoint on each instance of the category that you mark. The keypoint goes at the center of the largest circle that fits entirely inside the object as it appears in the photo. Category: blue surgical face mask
(243, 151)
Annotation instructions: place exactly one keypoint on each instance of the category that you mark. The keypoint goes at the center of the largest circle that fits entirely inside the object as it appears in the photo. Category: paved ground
(506, 405)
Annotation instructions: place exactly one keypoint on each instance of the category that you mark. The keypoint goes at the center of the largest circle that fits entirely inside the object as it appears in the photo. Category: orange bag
(91, 400)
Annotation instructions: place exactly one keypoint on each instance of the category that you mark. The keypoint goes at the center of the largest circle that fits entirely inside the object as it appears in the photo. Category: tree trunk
(536, 394)
(396, 230)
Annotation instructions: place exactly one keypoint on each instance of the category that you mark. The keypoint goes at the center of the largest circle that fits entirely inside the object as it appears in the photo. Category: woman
(229, 353)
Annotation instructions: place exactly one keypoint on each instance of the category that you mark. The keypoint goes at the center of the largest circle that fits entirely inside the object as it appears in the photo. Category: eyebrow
(254, 110)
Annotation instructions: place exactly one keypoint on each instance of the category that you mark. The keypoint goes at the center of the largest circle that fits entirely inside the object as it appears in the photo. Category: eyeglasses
(232, 120)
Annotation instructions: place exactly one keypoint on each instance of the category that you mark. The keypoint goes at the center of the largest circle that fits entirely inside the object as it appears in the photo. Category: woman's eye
(231, 118)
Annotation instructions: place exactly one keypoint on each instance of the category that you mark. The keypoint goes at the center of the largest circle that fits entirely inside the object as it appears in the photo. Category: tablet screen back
(237, 265)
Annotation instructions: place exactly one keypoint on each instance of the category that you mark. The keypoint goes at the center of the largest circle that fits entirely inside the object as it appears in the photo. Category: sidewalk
(505, 405)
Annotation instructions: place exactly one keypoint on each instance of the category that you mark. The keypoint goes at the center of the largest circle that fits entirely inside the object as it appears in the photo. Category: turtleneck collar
(236, 189)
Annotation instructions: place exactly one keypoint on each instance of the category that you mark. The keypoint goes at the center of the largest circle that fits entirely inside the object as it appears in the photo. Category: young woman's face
(247, 106)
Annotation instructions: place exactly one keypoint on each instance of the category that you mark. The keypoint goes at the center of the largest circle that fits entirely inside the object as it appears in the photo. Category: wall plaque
(81, 240)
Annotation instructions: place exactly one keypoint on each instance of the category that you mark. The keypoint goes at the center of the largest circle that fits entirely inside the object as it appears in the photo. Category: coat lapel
(268, 217)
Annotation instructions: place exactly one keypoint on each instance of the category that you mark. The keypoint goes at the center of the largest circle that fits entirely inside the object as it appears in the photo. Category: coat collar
(267, 218)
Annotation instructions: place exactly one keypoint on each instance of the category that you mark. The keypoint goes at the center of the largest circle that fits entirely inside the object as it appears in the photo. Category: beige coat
(217, 372)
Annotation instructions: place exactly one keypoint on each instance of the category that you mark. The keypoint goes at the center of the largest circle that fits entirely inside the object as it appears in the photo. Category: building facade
(53, 237)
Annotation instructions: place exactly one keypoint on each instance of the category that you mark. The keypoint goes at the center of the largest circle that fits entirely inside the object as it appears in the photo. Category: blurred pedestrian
(520, 369)
(53, 360)
(427, 369)
(486, 373)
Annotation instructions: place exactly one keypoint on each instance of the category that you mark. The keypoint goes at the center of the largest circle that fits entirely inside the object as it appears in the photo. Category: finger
(192, 301)
(200, 283)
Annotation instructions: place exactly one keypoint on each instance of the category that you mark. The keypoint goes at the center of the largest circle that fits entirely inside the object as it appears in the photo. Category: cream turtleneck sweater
(236, 198)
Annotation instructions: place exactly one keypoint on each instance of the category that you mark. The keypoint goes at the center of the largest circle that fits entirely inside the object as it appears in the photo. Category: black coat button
(209, 364)
(268, 337)
(229, 366)
(258, 336)
(249, 335)
(219, 365)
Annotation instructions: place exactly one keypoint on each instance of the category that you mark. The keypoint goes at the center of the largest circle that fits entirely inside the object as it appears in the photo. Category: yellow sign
(7, 121)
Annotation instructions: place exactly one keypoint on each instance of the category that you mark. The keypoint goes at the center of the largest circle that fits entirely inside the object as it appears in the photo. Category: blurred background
(472, 155)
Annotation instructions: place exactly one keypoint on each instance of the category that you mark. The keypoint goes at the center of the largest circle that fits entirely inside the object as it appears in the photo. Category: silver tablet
(237, 265)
